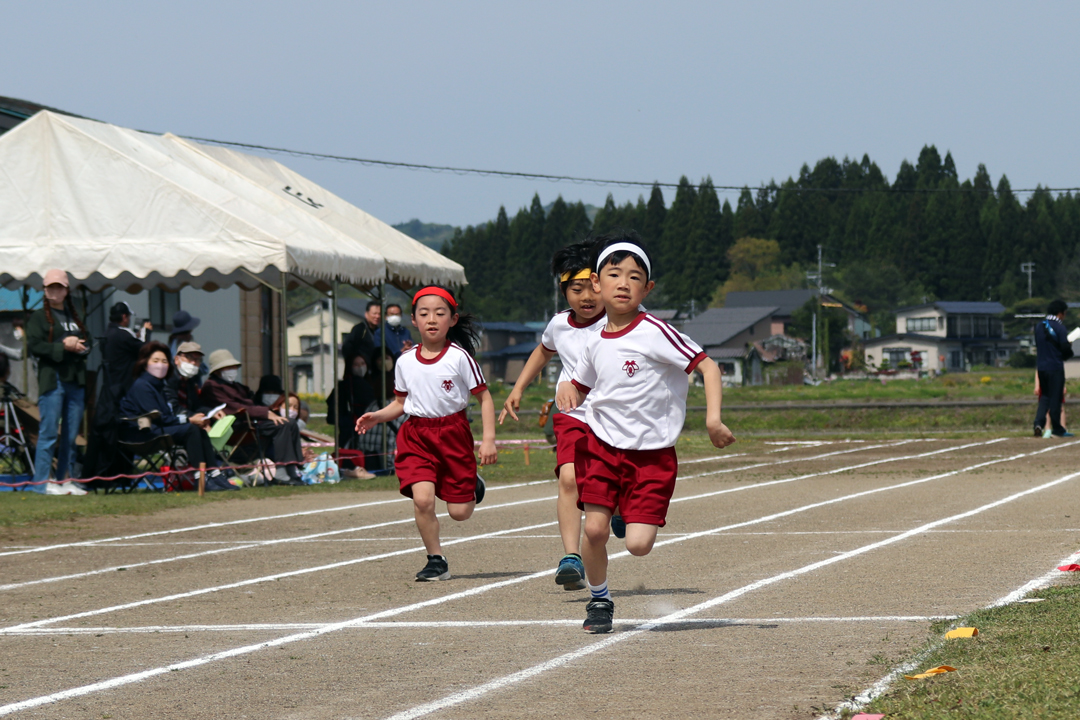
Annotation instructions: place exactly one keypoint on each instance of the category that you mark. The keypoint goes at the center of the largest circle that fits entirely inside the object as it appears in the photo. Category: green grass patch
(1023, 664)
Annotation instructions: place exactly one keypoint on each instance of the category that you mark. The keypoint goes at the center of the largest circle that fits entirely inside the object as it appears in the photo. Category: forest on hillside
(925, 235)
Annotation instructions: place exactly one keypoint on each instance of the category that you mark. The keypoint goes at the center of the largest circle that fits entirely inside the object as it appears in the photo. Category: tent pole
(333, 365)
(285, 379)
(382, 362)
(25, 297)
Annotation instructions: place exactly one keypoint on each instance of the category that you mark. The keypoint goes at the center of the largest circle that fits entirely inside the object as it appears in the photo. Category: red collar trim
(432, 361)
(619, 333)
(575, 324)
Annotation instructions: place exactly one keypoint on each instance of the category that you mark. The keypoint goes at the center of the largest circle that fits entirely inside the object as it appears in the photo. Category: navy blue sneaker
(571, 573)
(1064, 433)
(481, 488)
(618, 526)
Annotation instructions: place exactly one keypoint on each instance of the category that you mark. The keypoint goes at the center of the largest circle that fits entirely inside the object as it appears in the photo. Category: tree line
(926, 235)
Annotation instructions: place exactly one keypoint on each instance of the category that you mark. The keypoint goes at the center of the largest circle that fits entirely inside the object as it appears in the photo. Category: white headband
(626, 247)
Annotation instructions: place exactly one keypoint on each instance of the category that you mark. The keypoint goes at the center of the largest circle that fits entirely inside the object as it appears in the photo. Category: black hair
(393, 305)
(118, 311)
(5, 367)
(620, 235)
(1056, 307)
(573, 259)
(466, 332)
(372, 303)
(143, 359)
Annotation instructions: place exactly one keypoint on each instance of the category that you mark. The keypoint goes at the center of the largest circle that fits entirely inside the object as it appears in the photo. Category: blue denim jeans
(65, 403)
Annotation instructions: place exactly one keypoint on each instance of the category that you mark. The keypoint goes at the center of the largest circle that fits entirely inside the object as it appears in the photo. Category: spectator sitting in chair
(147, 394)
(223, 388)
(183, 384)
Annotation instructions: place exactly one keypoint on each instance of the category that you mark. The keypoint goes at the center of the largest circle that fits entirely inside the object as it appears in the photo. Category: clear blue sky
(743, 92)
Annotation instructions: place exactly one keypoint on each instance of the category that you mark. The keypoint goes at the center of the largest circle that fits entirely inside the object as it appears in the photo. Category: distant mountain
(434, 235)
(431, 234)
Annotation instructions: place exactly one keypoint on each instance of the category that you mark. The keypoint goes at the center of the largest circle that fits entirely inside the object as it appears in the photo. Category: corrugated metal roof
(716, 326)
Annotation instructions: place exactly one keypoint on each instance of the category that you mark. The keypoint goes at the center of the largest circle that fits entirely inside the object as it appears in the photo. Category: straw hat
(222, 359)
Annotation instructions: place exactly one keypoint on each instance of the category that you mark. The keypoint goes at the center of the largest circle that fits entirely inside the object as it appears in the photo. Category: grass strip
(1023, 664)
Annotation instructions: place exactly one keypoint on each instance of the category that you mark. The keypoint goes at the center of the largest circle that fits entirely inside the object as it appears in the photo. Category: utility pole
(818, 278)
(1029, 269)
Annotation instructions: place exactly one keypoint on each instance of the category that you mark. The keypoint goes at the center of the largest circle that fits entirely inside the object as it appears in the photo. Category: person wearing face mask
(183, 385)
(59, 342)
(358, 395)
(147, 394)
(398, 337)
(223, 387)
(14, 353)
(270, 391)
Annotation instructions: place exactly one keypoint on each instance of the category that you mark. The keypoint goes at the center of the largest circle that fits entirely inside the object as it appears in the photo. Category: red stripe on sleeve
(664, 331)
(584, 390)
(695, 362)
(400, 394)
(479, 389)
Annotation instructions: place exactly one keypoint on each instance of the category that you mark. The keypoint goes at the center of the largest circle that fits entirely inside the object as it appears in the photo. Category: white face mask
(187, 370)
(359, 371)
(18, 333)
(270, 398)
(293, 414)
(158, 370)
(393, 320)
(230, 374)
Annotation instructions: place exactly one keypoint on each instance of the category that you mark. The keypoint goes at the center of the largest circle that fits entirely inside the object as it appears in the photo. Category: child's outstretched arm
(537, 361)
(393, 411)
(488, 453)
(719, 434)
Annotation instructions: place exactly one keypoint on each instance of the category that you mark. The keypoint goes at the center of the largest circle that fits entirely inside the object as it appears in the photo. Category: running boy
(635, 373)
(435, 456)
(566, 335)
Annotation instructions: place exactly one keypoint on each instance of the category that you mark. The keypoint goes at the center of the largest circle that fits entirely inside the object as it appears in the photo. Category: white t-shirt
(567, 338)
(440, 386)
(636, 381)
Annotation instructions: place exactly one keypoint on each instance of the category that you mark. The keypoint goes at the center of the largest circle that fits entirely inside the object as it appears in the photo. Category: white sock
(599, 592)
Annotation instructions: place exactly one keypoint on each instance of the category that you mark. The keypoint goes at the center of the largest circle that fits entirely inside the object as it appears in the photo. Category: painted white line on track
(675, 617)
(325, 629)
(435, 624)
(264, 518)
(263, 543)
(869, 694)
(285, 516)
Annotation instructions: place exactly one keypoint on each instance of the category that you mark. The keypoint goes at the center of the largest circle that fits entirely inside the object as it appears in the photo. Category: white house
(948, 336)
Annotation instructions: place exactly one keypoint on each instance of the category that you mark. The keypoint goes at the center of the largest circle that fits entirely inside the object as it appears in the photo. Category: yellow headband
(581, 275)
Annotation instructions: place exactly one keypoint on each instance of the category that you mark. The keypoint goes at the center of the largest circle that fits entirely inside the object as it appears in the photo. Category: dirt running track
(783, 582)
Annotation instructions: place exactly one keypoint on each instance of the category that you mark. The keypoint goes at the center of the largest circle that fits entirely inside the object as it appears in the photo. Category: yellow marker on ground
(930, 673)
(961, 633)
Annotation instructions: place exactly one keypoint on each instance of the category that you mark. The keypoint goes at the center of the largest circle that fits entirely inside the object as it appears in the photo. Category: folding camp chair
(238, 442)
(147, 456)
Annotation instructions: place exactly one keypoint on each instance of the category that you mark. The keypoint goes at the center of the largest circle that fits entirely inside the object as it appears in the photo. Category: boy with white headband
(636, 375)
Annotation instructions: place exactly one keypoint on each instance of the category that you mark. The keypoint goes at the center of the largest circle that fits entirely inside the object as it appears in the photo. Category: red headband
(431, 290)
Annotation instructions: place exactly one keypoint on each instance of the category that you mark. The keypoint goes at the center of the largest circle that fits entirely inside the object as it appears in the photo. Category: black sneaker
(618, 526)
(1038, 431)
(436, 569)
(598, 616)
(481, 488)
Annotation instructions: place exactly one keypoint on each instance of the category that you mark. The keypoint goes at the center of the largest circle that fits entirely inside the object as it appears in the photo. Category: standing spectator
(223, 387)
(183, 323)
(59, 342)
(15, 353)
(360, 340)
(121, 348)
(1053, 347)
(398, 337)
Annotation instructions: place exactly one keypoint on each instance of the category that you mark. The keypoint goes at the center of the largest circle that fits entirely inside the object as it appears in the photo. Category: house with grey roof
(946, 336)
(788, 301)
(727, 335)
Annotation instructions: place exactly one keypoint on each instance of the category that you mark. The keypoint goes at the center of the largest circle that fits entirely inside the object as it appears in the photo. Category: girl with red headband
(433, 383)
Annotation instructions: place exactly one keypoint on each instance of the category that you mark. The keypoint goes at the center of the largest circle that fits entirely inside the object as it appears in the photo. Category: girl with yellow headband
(565, 336)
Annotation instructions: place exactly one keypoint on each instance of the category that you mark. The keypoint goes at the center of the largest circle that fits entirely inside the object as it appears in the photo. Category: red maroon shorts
(639, 482)
(440, 451)
(568, 431)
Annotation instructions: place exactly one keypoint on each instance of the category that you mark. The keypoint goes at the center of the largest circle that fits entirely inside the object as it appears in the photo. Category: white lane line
(494, 488)
(869, 694)
(260, 543)
(264, 518)
(325, 629)
(675, 617)
(435, 624)
(221, 551)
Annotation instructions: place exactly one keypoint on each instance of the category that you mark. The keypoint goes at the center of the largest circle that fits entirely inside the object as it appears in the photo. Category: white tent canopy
(119, 207)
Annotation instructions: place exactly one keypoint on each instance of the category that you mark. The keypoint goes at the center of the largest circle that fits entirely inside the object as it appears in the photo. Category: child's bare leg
(640, 538)
(566, 510)
(594, 548)
(460, 511)
(426, 522)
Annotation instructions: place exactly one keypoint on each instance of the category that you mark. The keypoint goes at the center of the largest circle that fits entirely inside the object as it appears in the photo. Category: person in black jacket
(121, 348)
(147, 394)
(1053, 348)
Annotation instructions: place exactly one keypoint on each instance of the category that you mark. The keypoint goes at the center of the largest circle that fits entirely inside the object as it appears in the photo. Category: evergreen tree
(705, 249)
(652, 227)
(670, 258)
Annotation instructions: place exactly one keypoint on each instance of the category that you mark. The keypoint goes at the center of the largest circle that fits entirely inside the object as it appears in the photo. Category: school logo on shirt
(447, 385)
(630, 367)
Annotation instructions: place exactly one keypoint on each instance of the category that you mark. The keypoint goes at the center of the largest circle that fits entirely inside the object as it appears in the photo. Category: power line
(589, 180)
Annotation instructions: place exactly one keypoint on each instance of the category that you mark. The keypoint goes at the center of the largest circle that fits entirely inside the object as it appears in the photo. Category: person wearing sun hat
(59, 342)
(223, 387)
